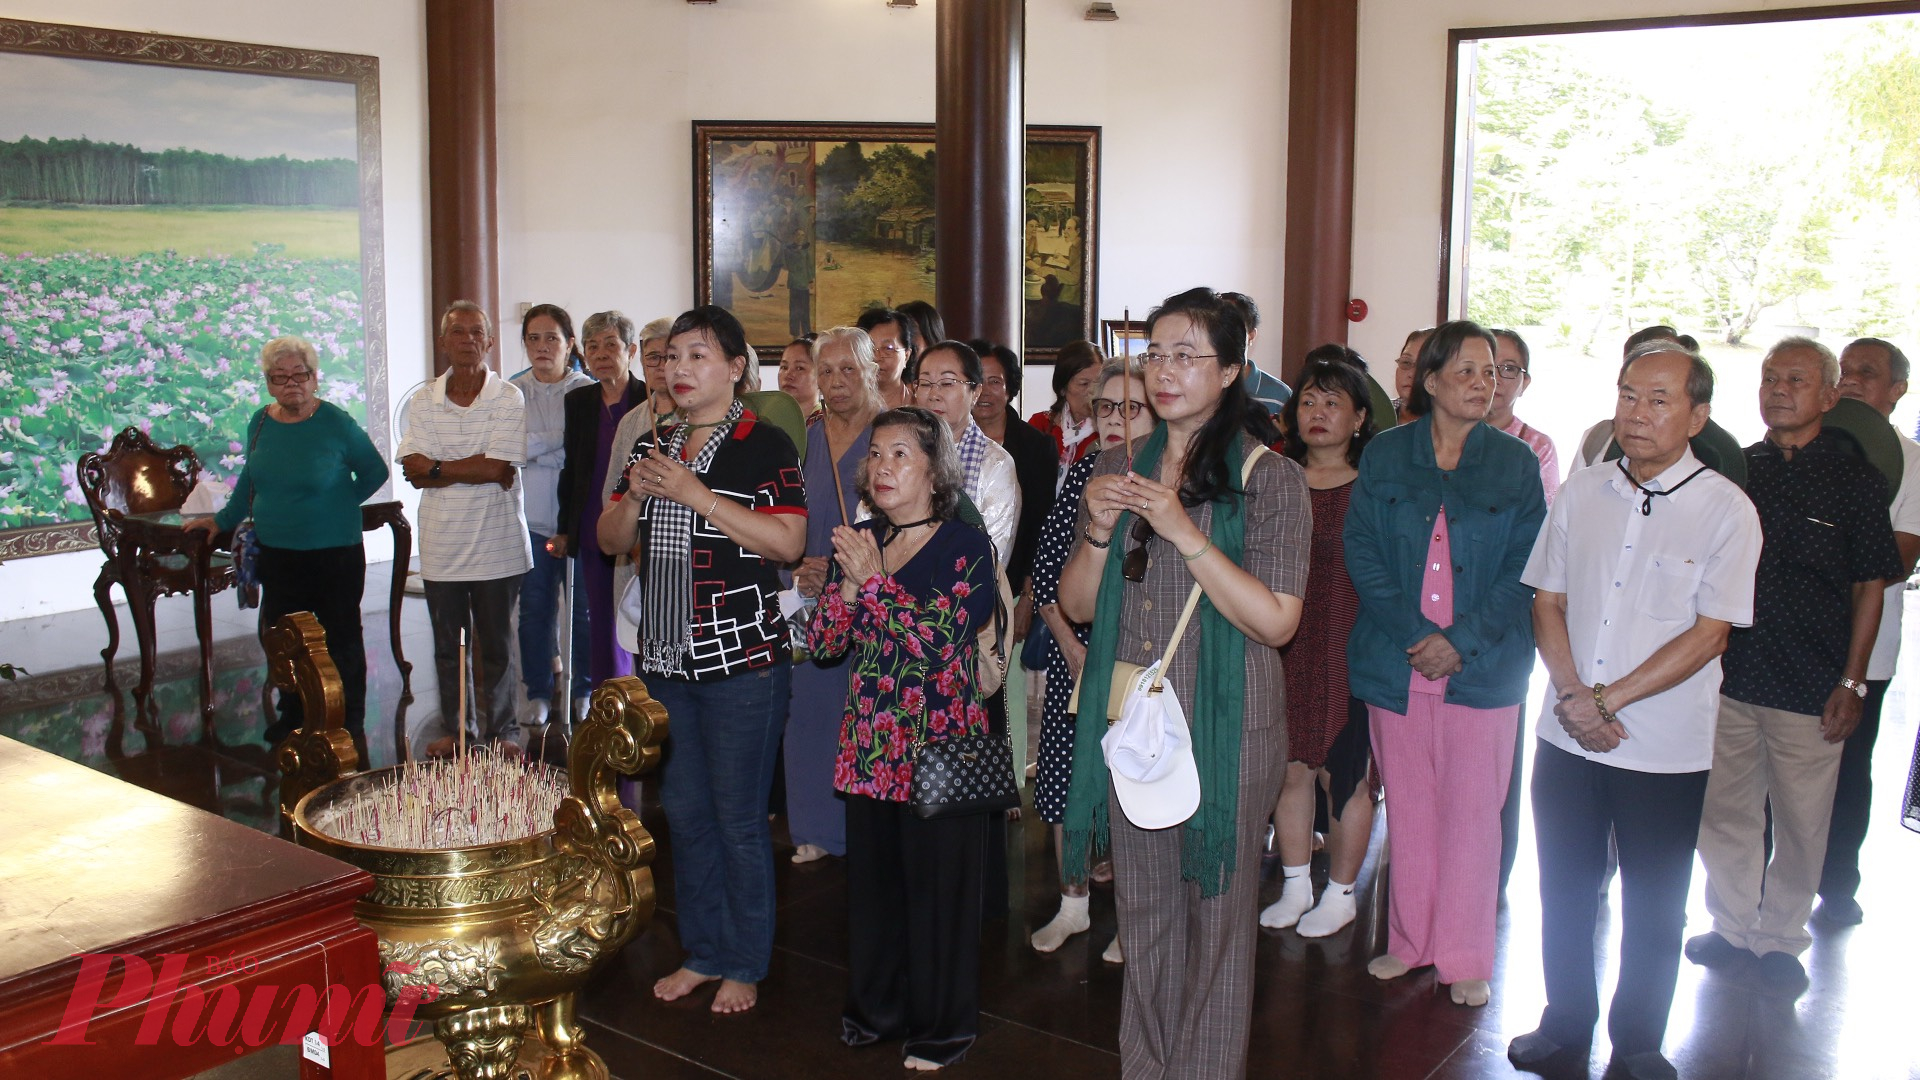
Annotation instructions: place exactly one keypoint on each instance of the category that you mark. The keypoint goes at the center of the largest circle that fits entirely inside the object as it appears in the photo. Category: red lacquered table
(92, 865)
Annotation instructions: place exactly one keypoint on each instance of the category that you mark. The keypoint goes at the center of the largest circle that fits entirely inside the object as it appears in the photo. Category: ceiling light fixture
(903, 3)
(1101, 12)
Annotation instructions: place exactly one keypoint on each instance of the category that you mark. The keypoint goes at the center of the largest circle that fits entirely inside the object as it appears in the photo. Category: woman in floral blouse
(910, 589)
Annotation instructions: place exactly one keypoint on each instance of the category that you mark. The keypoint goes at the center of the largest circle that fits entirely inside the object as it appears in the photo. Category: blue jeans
(539, 612)
(714, 780)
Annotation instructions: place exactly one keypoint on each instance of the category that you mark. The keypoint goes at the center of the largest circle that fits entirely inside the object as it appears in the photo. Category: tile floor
(1317, 1013)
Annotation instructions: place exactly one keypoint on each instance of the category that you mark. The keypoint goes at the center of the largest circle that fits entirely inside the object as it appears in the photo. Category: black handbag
(246, 542)
(971, 774)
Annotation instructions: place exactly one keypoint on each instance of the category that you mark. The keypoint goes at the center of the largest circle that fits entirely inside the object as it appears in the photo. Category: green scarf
(1214, 715)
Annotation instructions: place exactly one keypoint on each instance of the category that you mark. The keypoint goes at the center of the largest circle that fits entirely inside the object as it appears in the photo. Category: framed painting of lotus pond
(167, 206)
(799, 227)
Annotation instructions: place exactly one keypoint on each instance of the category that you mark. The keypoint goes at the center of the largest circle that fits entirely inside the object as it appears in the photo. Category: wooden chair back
(134, 477)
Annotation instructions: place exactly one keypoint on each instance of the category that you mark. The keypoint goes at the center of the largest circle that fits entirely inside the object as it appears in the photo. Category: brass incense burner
(492, 941)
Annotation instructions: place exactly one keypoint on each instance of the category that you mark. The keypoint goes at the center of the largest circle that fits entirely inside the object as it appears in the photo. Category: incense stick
(461, 715)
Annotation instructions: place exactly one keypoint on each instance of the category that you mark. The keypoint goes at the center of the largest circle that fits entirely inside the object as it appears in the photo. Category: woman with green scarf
(1151, 528)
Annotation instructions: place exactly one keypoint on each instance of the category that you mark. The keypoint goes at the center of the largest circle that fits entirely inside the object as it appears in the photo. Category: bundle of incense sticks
(480, 797)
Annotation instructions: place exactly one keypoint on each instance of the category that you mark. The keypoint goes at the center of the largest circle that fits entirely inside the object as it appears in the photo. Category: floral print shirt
(912, 636)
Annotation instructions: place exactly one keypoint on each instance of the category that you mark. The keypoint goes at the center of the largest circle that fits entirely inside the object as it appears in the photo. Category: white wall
(595, 138)
(392, 31)
(1400, 136)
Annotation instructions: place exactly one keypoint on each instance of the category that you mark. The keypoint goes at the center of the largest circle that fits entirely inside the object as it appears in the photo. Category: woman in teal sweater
(309, 466)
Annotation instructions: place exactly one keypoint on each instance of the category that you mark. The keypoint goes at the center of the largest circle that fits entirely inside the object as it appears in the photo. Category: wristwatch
(1859, 688)
(434, 473)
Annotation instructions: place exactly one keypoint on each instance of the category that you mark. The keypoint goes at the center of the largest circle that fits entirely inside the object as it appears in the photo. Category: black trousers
(1853, 800)
(913, 910)
(1655, 818)
(327, 582)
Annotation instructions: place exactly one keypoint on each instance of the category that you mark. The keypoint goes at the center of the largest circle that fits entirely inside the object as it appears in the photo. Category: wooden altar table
(92, 865)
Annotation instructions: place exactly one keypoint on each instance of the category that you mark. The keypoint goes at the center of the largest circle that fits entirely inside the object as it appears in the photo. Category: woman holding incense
(836, 448)
(909, 591)
(721, 492)
(1184, 513)
(1122, 418)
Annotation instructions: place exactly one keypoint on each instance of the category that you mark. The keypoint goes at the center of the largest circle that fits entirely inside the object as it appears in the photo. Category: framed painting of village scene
(802, 226)
(167, 206)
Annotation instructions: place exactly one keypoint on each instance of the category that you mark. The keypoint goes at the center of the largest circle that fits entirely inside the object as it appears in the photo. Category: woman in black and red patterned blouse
(709, 516)
(910, 589)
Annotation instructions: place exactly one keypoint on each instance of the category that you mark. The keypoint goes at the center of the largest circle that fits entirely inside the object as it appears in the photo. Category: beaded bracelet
(1091, 542)
(1600, 703)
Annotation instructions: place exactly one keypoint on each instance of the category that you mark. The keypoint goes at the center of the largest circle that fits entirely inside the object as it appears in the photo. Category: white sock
(1296, 896)
(1472, 992)
(1070, 920)
(1335, 910)
(1387, 966)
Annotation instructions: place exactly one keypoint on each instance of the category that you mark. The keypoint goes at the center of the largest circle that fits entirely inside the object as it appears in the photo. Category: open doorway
(1739, 181)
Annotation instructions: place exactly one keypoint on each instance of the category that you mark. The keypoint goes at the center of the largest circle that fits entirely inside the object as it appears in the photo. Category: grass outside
(137, 230)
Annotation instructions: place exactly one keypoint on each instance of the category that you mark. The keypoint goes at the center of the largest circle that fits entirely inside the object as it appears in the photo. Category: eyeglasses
(1181, 360)
(1134, 567)
(1510, 371)
(655, 357)
(293, 379)
(944, 385)
(1108, 406)
(891, 348)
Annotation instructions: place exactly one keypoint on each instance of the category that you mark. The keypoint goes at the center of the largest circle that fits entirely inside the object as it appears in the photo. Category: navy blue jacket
(1494, 508)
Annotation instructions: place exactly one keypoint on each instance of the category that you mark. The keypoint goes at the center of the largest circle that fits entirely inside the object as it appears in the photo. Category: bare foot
(807, 853)
(1102, 871)
(920, 1064)
(680, 984)
(735, 997)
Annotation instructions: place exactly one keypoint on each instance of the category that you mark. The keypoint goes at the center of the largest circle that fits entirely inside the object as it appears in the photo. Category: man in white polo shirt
(1641, 570)
(466, 439)
(1874, 371)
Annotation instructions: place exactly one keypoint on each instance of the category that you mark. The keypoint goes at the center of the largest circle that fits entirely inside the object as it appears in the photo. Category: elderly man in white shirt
(1875, 371)
(466, 440)
(1641, 570)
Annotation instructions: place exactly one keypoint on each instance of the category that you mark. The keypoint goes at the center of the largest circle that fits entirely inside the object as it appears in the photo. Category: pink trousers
(1445, 769)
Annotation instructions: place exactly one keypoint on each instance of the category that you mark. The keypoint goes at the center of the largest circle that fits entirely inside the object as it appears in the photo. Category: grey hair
(658, 328)
(289, 345)
(602, 321)
(931, 434)
(1699, 372)
(1897, 363)
(465, 305)
(1829, 363)
(1122, 365)
(862, 346)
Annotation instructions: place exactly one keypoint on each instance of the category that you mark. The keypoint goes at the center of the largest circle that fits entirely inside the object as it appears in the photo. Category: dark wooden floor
(1317, 1013)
